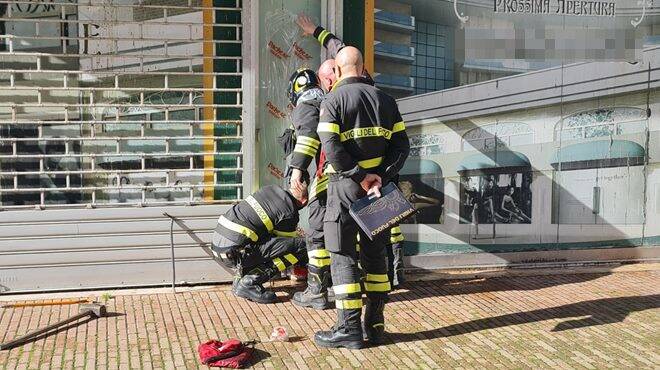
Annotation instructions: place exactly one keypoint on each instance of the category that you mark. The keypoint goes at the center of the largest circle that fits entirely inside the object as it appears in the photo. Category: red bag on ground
(231, 353)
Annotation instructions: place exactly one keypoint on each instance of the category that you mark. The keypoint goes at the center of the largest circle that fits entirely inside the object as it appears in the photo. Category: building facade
(116, 115)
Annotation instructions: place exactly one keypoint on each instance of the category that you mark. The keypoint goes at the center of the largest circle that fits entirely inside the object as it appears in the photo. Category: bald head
(349, 62)
(327, 74)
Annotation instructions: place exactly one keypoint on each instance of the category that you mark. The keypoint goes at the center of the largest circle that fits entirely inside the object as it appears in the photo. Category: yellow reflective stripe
(238, 228)
(319, 262)
(347, 288)
(318, 186)
(396, 238)
(279, 264)
(377, 287)
(303, 149)
(371, 163)
(399, 126)
(396, 230)
(322, 36)
(367, 163)
(288, 234)
(319, 257)
(377, 278)
(291, 258)
(318, 253)
(309, 141)
(261, 212)
(328, 127)
(360, 132)
(348, 304)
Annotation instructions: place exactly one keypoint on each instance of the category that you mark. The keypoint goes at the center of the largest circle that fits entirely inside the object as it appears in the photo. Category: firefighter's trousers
(340, 240)
(319, 258)
(395, 257)
(276, 253)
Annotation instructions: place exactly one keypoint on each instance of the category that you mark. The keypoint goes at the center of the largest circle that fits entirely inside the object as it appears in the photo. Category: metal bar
(109, 105)
(112, 172)
(115, 205)
(115, 22)
(41, 304)
(115, 89)
(123, 154)
(126, 122)
(23, 339)
(127, 54)
(144, 187)
(112, 138)
(94, 4)
(172, 249)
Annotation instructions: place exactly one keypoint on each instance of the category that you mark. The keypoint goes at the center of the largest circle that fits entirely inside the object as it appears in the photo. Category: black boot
(347, 333)
(250, 286)
(374, 320)
(316, 294)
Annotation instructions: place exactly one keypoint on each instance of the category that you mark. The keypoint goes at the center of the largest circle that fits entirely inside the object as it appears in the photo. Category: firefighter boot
(347, 333)
(374, 321)
(316, 294)
(250, 286)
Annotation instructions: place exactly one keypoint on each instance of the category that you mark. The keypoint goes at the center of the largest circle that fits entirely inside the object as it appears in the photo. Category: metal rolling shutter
(112, 113)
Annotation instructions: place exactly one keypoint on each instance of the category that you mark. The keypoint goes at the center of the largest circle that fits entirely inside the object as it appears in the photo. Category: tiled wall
(433, 68)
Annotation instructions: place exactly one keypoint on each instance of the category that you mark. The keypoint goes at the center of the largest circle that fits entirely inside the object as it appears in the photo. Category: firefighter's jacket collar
(349, 80)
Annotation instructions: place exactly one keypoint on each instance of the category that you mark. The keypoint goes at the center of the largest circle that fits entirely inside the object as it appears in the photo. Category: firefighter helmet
(300, 81)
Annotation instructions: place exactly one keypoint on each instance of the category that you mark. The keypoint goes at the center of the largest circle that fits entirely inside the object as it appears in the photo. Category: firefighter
(256, 238)
(364, 139)
(305, 96)
(327, 79)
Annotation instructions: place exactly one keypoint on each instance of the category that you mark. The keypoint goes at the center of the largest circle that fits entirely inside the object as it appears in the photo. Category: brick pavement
(559, 321)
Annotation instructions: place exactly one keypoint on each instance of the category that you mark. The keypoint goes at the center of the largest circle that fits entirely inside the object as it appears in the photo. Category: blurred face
(326, 83)
(327, 74)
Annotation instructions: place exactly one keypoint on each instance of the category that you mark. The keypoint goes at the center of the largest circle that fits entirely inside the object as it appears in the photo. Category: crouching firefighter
(305, 96)
(256, 239)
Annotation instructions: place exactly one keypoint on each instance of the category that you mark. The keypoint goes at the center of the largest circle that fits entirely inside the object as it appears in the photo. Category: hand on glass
(306, 24)
(296, 181)
(372, 184)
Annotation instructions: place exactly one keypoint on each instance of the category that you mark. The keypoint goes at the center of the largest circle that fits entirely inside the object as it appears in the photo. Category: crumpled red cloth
(231, 353)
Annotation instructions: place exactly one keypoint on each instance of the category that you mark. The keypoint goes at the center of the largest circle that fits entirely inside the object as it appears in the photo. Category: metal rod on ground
(39, 304)
(172, 249)
(91, 310)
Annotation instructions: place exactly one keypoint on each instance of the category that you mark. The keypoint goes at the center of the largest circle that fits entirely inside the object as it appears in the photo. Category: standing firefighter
(257, 237)
(326, 74)
(305, 95)
(364, 138)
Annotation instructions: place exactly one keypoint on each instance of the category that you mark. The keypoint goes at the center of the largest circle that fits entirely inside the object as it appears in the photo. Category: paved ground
(567, 321)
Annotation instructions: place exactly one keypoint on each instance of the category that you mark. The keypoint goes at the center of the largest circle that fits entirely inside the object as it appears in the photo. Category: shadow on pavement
(410, 291)
(600, 312)
(257, 356)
